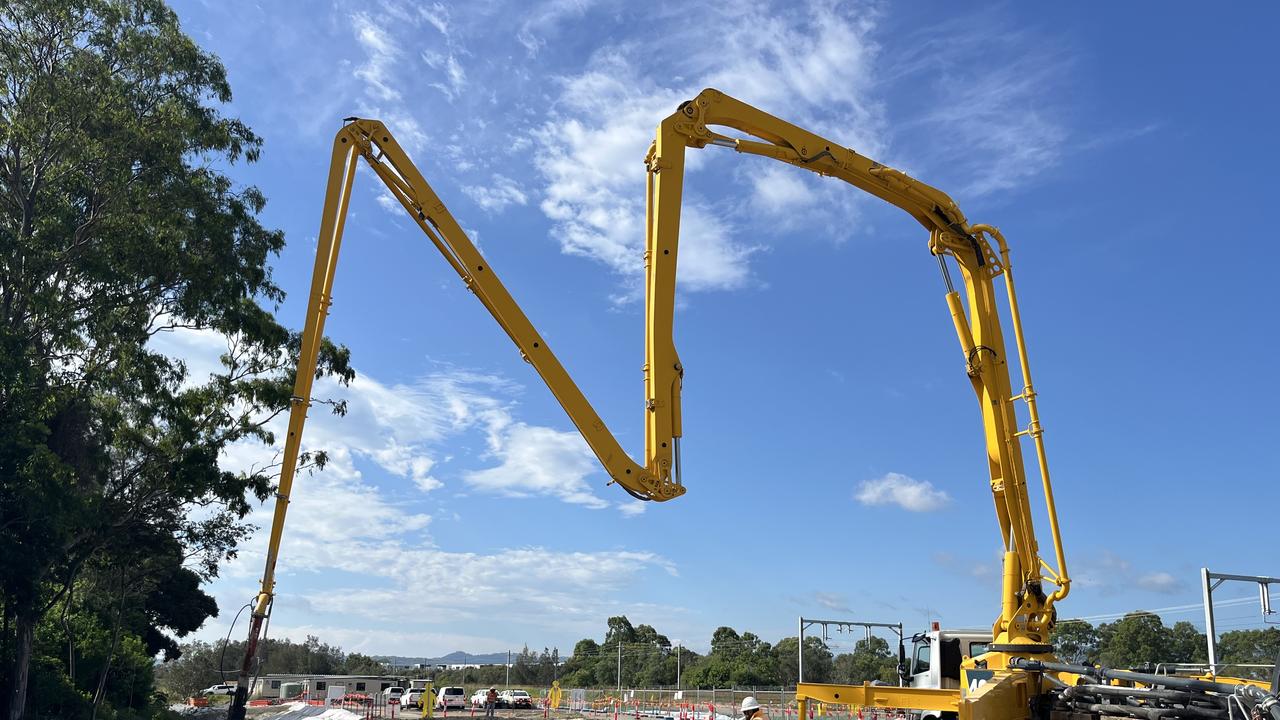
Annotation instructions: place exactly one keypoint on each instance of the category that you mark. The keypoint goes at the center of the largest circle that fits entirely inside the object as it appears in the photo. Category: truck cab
(936, 656)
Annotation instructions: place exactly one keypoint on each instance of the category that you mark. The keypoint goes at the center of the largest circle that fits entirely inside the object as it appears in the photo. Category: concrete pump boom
(1011, 680)
(658, 479)
(1027, 613)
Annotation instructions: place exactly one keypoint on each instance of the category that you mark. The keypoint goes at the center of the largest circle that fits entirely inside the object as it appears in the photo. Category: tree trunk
(111, 656)
(71, 640)
(25, 632)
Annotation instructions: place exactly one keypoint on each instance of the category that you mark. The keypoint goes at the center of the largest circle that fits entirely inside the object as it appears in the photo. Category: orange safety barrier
(198, 701)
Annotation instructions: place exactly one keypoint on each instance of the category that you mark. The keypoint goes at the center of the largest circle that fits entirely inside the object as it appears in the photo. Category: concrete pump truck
(1017, 677)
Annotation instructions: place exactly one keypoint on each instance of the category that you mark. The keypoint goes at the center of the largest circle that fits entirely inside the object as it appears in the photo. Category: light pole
(508, 669)
(619, 668)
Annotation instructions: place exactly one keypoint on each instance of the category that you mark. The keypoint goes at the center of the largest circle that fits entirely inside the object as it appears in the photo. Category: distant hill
(457, 657)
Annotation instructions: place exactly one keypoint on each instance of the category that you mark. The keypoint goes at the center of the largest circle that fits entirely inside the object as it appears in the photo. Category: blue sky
(1127, 151)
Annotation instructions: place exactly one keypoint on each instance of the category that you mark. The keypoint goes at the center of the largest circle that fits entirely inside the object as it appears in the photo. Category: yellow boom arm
(1026, 612)
(657, 479)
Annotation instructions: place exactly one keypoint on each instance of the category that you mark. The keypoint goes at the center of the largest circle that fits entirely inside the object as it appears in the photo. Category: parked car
(224, 689)
(477, 698)
(515, 699)
(452, 696)
(393, 694)
(412, 697)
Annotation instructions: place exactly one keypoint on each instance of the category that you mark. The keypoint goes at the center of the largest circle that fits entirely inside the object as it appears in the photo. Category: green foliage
(818, 662)
(1141, 638)
(1075, 641)
(1186, 644)
(735, 660)
(1250, 647)
(203, 664)
(870, 661)
(117, 224)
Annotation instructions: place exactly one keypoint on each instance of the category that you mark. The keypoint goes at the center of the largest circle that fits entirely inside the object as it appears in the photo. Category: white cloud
(371, 543)
(455, 78)
(381, 97)
(381, 53)
(539, 461)
(824, 84)
(903, 491)
(832, 601)
(397, 641)
(633, 508)
(400, 428)
(198, 350)
(1160, 582)
(992, 122)
(563, 592)
(1109, 574)
(780, 190)
(589, 150)
(542, 20)
(501, 192)
(387, 202)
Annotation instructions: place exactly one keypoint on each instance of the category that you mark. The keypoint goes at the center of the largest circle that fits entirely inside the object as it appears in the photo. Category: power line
(1171, 610)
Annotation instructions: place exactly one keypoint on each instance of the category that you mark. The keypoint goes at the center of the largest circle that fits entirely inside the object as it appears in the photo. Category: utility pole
(508, 669)
(619, 668)
(677, 666)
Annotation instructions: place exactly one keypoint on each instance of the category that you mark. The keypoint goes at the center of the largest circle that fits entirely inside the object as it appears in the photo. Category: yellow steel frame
(1027, 612)
(658, 479)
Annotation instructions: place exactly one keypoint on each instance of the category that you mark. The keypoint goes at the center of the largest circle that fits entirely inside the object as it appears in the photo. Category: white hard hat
(749, 703)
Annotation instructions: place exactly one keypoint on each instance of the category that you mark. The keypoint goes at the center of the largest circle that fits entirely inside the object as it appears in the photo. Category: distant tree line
(741, 660)
(735, 659)
(529, 668)
(1141, 639)
(203, 664)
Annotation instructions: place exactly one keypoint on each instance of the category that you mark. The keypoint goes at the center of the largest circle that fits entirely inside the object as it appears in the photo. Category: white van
(393, 694)
(451, 697)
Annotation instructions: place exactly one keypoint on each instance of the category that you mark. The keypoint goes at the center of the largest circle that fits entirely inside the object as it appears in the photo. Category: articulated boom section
(658, 479)
(1026, 613)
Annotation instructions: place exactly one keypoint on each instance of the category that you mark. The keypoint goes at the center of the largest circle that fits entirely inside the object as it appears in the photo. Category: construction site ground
(297, 711)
